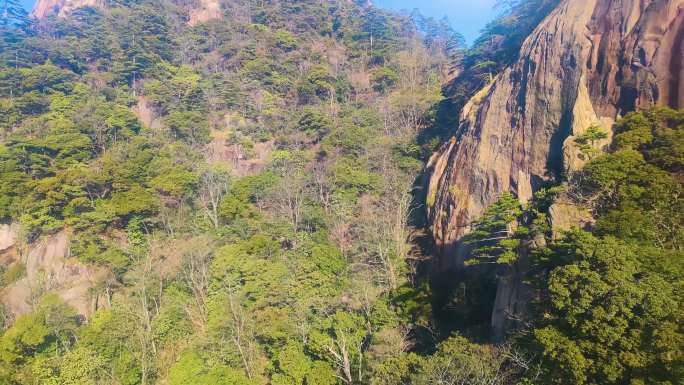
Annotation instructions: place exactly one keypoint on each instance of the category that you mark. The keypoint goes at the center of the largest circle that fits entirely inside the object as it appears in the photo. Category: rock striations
(586, 64)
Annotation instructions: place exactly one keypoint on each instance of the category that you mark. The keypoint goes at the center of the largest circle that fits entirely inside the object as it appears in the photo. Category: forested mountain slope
(191, 199)
(233, 192)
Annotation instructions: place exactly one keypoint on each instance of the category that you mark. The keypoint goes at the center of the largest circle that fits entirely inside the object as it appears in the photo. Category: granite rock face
(49, 268)
(586, 64)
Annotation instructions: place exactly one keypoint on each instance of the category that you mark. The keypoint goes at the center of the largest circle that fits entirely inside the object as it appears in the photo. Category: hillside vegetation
(250, 187)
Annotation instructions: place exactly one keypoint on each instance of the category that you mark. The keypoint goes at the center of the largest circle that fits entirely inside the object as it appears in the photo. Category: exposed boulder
(566, 215)
(205, 11)
(49, 269)
(9, 235)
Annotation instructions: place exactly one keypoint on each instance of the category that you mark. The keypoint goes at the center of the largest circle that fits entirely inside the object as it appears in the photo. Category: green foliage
(588, 140)
(632, 189)
(285, 40)
(48, 330)
(193, 369)
(191, 126)
(176, 89)
(81, 366)
(173, 322)
(607, 316)
(293, 366)
(610, 304)
(46, 78)
(93, 249)
(318, 83)
(233, 208)
(496, 235)
(301, 260)
(656, 134)
(455, 361)
(314, 123)
(384, 78)
(350, 174)
(14, 273)
(108, 333)
(341, 334)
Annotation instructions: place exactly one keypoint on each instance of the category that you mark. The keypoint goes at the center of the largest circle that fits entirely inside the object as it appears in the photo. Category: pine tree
(496, 237)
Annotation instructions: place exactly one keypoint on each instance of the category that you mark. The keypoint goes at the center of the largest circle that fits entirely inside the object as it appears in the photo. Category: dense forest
(248, 193)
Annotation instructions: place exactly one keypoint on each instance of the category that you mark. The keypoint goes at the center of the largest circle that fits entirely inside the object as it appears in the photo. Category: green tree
(193, 369)
(384, 78)
(191, 127)
(341, 339)
(607, 320)
(588, 140)
(497, 235)
(81, 366)
(458, 361)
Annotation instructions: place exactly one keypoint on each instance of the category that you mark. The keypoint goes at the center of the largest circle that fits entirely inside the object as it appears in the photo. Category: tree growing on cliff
(496, 236)
(588, 140)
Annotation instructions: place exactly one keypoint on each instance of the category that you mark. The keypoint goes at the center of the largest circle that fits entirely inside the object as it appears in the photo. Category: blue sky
(467, 16)
(28, 4)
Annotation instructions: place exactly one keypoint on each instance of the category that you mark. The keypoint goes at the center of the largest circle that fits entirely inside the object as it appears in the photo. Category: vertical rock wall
(587, 63)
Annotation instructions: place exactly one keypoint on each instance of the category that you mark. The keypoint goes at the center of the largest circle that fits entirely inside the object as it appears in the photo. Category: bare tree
(195, 273)
(290, 194)
(238, 327)
(339, 350)
(213, 185)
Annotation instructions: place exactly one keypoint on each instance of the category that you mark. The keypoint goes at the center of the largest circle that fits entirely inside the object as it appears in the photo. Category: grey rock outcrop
(9, 235)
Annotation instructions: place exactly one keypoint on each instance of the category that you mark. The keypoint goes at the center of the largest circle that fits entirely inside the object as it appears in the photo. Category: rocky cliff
(587, 63)
(47, 267)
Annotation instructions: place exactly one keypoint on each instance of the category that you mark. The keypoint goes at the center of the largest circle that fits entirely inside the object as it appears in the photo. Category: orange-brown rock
(586, 64)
